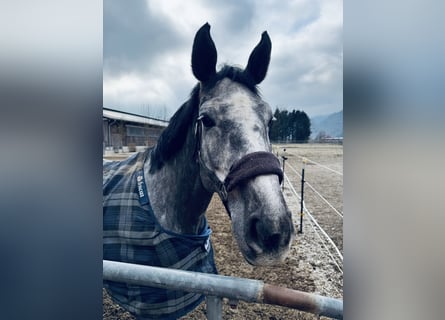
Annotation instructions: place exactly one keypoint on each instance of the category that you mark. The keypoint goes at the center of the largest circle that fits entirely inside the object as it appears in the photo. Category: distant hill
(331, 124)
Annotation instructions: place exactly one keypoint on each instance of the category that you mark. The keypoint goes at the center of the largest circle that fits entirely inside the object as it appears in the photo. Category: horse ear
(204, 54)
(259, 59)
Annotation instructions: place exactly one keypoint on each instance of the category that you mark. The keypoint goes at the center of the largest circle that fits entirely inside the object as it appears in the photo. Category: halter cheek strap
(218, 185)
(250, 166)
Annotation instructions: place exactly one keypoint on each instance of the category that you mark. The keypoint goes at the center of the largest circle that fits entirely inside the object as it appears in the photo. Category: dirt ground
(309, 267)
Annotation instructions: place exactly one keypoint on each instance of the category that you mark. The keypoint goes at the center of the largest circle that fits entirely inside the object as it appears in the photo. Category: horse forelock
(235, 74)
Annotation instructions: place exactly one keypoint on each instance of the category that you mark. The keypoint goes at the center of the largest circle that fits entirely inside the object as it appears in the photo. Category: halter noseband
(250, 166)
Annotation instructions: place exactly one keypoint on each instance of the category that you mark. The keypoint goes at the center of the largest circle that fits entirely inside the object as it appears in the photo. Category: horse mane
(173, 137)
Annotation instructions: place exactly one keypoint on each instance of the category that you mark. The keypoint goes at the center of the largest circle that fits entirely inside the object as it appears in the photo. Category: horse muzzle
(261, 221)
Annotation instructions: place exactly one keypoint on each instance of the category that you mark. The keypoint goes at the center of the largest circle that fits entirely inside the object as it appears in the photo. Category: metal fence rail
(216, 287)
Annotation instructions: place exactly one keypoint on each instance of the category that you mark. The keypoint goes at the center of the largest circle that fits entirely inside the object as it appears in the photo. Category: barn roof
(131, 117)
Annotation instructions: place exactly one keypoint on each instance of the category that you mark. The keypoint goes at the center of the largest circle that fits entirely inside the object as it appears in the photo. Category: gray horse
(155, 202)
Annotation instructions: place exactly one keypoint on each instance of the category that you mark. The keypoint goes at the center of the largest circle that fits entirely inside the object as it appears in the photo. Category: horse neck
(177, 196)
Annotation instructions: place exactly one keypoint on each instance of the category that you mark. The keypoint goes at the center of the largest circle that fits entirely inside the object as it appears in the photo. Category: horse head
(234, 151)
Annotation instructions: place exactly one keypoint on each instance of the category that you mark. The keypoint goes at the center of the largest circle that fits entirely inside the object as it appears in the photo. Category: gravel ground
(309, 267)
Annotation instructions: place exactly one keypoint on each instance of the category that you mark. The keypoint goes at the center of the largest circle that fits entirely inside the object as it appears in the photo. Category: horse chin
(264, 260)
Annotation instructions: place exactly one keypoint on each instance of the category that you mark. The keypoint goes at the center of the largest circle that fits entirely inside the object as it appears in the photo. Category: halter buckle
(223, 192)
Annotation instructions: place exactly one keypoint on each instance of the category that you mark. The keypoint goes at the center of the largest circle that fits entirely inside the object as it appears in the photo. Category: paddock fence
(326, 241)
(217, 287)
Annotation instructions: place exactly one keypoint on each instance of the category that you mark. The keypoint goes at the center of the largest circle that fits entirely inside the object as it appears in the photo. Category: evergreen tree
(294, 126)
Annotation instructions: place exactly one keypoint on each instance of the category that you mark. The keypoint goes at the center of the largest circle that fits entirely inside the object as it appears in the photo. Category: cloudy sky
(147, 51)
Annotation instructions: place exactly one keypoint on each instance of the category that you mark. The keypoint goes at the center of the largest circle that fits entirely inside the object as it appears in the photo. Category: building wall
(117, 134)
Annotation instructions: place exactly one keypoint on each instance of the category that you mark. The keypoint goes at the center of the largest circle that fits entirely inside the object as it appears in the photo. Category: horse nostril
(272, 242)
(255, 229)
(264, 236)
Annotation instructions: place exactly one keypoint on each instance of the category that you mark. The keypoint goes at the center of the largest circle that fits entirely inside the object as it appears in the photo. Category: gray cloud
(147, 48)
(134, 36)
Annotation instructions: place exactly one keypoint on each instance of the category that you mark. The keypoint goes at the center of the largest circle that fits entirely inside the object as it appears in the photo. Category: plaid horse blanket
(131, 233)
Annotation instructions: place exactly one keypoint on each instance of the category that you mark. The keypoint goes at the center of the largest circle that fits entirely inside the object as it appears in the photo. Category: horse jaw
(261, 221)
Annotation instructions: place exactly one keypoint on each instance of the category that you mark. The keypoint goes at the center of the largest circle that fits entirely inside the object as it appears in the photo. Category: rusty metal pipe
(303, 301)
(222, 286)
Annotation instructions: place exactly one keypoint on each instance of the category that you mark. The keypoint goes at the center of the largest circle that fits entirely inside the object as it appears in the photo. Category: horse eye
(207, 121)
